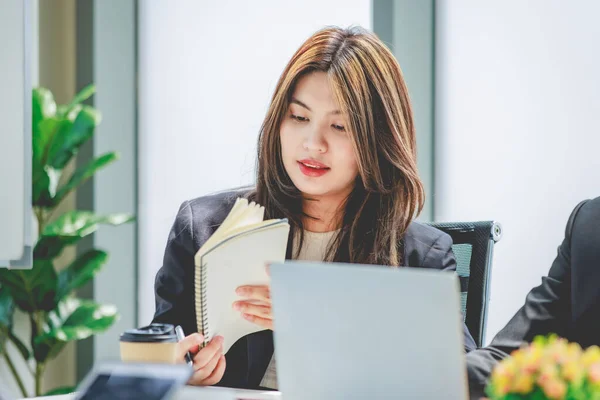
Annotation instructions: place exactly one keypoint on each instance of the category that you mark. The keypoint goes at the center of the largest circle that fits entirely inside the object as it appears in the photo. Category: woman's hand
(208, 363)
(256, 305)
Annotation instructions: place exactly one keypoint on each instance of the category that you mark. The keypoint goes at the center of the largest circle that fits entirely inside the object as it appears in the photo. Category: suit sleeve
(546, 310)
(441, 253)
(173, 286)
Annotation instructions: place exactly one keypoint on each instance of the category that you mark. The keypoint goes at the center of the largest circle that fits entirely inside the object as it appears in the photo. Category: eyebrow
(301, 104)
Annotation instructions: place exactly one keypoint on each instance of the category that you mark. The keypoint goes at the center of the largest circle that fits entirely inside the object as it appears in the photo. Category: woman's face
(316, 146)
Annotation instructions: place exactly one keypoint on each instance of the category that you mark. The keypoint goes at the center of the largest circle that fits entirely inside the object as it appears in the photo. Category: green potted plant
(548, 368)
(45, 294)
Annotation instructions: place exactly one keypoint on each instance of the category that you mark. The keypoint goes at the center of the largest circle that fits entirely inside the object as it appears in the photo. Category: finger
(259, 310)
(217, 374)
(189, 343)
(206, 354)
(260, 292)
(257, 302)
(200, 375)
(268, 269)
(254, 292)
(263, 322)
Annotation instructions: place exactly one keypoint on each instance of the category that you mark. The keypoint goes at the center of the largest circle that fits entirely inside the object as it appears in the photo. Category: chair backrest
(473, 247)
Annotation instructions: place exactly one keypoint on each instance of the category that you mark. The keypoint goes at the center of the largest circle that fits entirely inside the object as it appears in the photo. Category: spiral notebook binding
(200, 278)
(204, 300)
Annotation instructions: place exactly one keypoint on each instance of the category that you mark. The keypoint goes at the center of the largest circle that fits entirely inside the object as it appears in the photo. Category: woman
(337, 158)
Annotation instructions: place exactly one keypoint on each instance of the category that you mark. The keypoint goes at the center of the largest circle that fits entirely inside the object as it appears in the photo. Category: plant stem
(39, 321)
(13, 370)
(13, 339)
(39, 215)
(34, 318)
(39, 372)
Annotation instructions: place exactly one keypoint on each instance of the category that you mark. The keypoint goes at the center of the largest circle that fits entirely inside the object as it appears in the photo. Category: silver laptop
(351, 331)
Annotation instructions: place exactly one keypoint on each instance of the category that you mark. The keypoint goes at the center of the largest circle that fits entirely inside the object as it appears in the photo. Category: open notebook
(235, 255)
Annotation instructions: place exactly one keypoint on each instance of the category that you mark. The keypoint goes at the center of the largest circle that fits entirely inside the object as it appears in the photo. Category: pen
(180, 337)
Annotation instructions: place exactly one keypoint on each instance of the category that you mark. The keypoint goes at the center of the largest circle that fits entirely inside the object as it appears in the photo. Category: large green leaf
(40, 195)
(67, 142)
(44, 188)
(74, 319)
(84, 173)
(42, 143)
(82, 223)
(52, 246)
(69, 113)
(70, 228)
(53, 178)
(7, 309)
(43, 106)
(58, 133)
(33, 289)
(80, 272)
(60, 390)
(19, 345)
(79, 98)
(47, 128)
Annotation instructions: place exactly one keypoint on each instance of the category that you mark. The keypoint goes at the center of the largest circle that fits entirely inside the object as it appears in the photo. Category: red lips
(313, 168)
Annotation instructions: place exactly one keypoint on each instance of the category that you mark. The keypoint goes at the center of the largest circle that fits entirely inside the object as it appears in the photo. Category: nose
(315, 141)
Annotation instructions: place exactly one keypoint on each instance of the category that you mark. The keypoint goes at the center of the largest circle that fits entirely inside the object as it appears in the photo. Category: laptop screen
(117, 387)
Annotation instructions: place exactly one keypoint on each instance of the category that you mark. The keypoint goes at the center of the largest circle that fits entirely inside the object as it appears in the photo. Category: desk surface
(202, 393)
(218, 393)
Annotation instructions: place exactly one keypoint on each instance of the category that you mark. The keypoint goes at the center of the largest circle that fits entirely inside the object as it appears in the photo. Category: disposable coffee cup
(155, 343)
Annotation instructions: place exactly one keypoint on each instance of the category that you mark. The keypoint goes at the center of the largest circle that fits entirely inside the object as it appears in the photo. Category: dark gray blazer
(247, 360)
(567, 302)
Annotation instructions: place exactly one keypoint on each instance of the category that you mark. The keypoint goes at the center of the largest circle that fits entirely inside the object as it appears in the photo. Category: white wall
(207, 72)
(114, 76)
(518, 132)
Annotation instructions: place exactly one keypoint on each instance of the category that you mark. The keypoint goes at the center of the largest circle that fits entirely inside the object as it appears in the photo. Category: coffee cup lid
(151, 333)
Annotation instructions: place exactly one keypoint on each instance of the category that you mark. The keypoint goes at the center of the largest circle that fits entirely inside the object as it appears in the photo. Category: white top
(313, 249)
(314, 246)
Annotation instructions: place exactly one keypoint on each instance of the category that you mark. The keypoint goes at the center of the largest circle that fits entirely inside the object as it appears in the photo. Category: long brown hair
(368, 85)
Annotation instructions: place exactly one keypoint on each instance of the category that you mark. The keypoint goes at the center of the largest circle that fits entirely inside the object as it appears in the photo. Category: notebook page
(242, 214)
(236, 262)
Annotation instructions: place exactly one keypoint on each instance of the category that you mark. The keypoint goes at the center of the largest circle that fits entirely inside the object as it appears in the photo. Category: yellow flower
(591, 356)
(548, 373)
(594, 373)
(502, 388)
(572, 371)
(559, 351)
(552, 363)
(517, 355)
(532, 359)
(555, 389)
(506, 368)
(573, 350)
(523, 384)
(501, 380)
(503, 375)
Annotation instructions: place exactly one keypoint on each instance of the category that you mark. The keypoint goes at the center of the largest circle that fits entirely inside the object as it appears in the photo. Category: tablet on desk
(116, 381)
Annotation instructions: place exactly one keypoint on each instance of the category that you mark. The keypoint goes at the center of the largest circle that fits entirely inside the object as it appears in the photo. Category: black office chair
(473, 247)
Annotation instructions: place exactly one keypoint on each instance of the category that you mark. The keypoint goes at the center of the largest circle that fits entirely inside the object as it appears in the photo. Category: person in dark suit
(566, 303)
(337, 158)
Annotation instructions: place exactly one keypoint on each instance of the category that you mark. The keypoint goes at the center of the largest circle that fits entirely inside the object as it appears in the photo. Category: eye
(298, 118)
(338, 128)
